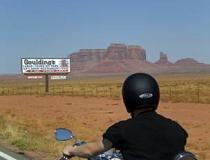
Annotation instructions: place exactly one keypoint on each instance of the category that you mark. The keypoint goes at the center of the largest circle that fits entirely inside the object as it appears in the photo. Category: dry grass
(23, 137)
(174, 88)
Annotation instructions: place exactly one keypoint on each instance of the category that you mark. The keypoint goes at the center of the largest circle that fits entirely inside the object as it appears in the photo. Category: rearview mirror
(63, 134)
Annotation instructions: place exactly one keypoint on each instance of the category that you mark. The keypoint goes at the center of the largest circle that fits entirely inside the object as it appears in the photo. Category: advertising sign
(45, 65)
(58, 77)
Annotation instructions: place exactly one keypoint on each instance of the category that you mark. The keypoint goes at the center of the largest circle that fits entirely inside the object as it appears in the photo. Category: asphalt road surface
(6, 154)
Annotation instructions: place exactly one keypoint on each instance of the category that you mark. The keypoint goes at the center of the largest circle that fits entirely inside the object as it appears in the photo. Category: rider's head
(140, 91)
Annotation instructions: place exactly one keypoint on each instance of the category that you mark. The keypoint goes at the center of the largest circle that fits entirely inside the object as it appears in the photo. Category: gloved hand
(65, 157)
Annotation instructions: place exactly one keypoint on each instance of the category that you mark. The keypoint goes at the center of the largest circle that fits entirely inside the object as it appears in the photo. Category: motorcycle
(63, 134)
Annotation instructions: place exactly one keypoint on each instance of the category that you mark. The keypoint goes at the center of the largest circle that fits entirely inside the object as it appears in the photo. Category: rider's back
(148, 136)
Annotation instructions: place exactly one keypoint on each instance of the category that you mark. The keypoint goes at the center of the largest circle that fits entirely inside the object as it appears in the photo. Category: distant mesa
(187, 62)
(113, 59)
(114, 52)
(85, 55)
(121, 51)
(119, 58)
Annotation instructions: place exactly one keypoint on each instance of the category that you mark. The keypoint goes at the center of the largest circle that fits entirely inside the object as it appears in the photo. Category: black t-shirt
(148, 136)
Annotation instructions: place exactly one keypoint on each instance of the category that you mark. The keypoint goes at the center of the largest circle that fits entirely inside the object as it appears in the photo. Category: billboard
(45, 65)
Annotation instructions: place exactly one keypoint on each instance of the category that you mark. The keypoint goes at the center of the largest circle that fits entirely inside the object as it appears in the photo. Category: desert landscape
(63, 64)
(88, 102)
(31, 120)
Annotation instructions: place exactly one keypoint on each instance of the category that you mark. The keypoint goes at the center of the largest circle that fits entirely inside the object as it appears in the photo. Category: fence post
(110, 91)
(84, 91)
(170, 94)
(96, 91)
(198, 93)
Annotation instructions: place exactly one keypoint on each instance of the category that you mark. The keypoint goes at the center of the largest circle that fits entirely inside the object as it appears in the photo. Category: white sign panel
(45, 66)
(58, 77)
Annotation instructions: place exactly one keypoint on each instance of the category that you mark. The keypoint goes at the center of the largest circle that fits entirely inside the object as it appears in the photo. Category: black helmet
(140, 90)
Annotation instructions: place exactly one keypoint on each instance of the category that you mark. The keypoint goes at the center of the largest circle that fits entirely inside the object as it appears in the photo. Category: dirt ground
(89, 117)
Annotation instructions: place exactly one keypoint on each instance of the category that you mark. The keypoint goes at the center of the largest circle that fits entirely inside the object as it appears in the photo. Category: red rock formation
(120, 51)
(136, 52)
(114, 52)
(85, 59)
(88, 55)
(163, 60)
(120, 58)
(187, 62)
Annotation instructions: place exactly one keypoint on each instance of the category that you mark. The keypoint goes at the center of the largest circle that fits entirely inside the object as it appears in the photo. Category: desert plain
(88, 117)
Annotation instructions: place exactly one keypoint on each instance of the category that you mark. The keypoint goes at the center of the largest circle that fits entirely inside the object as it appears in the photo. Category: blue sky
(55, 28)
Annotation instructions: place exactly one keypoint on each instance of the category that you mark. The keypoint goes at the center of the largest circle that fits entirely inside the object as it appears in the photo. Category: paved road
(6, 154)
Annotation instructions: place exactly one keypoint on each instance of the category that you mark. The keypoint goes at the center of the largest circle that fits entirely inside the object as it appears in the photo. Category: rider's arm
(89, 149)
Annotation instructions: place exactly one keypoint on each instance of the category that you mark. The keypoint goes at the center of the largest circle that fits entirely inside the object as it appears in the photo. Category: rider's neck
(139, 111)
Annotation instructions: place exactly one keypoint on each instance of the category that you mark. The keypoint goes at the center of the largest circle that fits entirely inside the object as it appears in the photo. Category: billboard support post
(46, 83)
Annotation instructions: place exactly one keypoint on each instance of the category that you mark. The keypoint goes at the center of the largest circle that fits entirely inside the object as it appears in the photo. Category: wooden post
(46, 83)
(198, 93)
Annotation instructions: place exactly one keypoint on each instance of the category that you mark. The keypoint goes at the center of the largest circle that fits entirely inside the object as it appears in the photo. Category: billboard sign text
(45, 65)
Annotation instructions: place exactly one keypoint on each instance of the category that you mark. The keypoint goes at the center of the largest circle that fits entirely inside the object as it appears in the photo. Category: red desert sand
(89, 117)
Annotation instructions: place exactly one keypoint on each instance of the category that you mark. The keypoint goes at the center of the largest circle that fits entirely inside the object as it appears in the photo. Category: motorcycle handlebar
(66, 157)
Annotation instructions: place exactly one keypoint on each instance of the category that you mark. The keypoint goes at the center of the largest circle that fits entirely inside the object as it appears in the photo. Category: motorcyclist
(147, 135)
